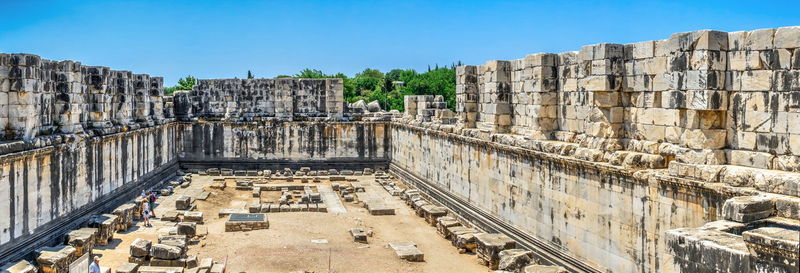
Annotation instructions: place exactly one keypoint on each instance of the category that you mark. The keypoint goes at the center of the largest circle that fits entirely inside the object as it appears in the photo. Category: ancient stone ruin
(674, 155)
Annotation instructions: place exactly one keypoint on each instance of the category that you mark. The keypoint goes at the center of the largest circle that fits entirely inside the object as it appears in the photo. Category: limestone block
(600, 83)
(774, 59)
(704, 79)
(127, 268)
(759, 39)
(606, 99)
(140, 247)
(515, 259)
(777, 248)
(540, 59)
(759, 80)
(640, 50)
(22, 266)
(407, 251)
(751, 159)
(703, 138)
(489, 246)
(601, 51)
(708, 60)
(695, 245)
(705, 156)
(544, 269)
(697, 40)
(736, 40)
(745, 209)
(706, 100)
(787, 37)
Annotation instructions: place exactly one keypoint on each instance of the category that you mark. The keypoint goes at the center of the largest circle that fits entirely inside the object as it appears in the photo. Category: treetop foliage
(371, 84)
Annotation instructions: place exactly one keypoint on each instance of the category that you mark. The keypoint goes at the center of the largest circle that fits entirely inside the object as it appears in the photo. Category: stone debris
(431, 213)
(22, 266)
(128, 268)
(56, 259)
(187, 228)
(359, 235)
(165, 252)
(745, 209)
(226, 212)
(489, 246)
(83, 240)
(140, 247)
(125, 213)
(544, 269)
(408, 251)
(106, 225)
(777, 248)
(246, 222)
(170, 216)
(183, 203)
(160, 269)
(515, 259)
(193, 216)
(444, 223)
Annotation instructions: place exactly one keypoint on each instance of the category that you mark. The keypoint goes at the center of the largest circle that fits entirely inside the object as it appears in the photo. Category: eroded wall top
(42, 97)
(693, 103)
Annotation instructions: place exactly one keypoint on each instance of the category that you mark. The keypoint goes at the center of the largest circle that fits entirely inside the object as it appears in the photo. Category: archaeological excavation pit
(674, 155)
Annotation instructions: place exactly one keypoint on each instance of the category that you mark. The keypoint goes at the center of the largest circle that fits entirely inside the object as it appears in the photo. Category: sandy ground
(289, 244)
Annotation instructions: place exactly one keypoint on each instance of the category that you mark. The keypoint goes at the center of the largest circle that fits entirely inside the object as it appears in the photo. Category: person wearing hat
(95, 266)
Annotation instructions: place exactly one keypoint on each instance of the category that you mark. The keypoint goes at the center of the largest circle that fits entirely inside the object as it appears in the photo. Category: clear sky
(217, 39)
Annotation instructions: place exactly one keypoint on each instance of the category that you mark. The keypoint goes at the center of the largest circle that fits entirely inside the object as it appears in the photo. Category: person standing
(151, 198)
(94, 267)
(146, 212)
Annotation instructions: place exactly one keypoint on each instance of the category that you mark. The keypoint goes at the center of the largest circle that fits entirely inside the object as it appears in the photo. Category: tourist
(146, 212)
(151, 200)
(95, 266)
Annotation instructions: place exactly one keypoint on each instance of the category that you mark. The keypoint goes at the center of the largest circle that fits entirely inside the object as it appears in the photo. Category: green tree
(250, 74)
(183, 84)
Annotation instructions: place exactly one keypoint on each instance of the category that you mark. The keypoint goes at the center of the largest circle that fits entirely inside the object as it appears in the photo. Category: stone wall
(267, 144)
(701, 98)
(46, 188)
(607, 216)
(625, 156)
(286, 99)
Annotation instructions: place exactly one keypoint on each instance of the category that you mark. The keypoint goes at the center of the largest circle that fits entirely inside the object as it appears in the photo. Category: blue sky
(217, 39)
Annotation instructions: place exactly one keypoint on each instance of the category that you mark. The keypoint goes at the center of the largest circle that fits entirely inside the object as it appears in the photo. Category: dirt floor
(303, 241)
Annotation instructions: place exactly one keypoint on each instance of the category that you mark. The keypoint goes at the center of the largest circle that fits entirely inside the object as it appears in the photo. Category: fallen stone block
(83, 240)
(22, 266)
(445, 222)
(775, 247)
(217, 268)
(745, 209)
(489, 246)
(359, 235)
(432, 212)
(202, 195)
(160, 269)
(55, 259)
(193, 216)
(183, 202)
(170, 216)
(180, 262)
(246, 222)
(128, 268)
(187, 228)
(515, 259)
(165, 252)
(407, 251)
(544, 269)
(140, 247)
(226, 212)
